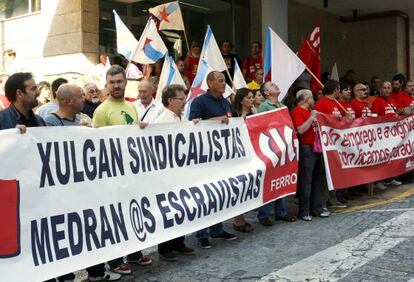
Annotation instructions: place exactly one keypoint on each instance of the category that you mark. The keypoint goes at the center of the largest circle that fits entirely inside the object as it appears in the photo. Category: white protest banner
(72, 197)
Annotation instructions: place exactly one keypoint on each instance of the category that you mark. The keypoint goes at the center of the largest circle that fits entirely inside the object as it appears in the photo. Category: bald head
(216, 83)
(145, 90)
(70, 97)
(360, 91)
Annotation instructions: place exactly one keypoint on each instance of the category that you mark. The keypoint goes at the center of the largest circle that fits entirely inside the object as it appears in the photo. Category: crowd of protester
(27, 104)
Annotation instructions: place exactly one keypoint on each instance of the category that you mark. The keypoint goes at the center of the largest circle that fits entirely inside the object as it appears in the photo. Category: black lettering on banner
(234, 149)
(164, 209)
(77, 175)
(90, 229)
(137, 214)
(118, 223)
(57, 236)
(173, 200)
(249, 192)
(202, 158)
(103, 160)
(116, 157)
(221, 194)
(134, 164)
(210, 147)
(179, 139)
(74, 221)
(161, 150)
(41, 242)
(212, 201)
(225, 133)
(149, 154)
(184, 195)
(91, 168)
(259, 175)
(106, 229)
(218, 153)
(63, 177)
(242, 150)
(145, 203)
(233, 183)
(45, 157)
(199, 199)
(170, 151)
(242, 179)
(141, 154)
(192, 150)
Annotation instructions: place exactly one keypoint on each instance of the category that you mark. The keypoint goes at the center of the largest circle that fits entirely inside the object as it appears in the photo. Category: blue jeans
(280, 209)
(215, 230)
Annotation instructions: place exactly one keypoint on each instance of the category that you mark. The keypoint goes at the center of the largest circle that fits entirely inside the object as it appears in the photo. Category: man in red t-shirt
(328, 104)
(309, 192)
(405, 99)
(397, 91)
(360, 108)
(385, 105)
(191, 61)
(344, 100)
(254, 62)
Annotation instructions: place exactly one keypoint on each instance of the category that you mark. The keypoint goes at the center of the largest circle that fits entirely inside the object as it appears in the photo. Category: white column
(275, 15)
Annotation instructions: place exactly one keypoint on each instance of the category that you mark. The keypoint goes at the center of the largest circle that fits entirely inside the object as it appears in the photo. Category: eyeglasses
(363, 89)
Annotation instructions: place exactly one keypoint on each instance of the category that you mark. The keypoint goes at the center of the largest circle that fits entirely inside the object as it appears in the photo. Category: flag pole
(314, 76)
(185, 33)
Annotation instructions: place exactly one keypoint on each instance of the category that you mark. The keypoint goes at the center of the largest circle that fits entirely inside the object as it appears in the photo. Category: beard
(95, 100)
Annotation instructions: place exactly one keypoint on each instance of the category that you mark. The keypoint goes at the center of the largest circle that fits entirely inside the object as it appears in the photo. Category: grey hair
(88, 86)
(150, 84)
(302, 95)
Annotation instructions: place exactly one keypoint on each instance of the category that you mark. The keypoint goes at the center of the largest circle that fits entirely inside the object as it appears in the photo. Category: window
(14, 8)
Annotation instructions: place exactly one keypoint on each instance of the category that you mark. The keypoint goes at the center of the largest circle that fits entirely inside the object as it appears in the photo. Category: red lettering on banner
(369, 149)
(276, 144)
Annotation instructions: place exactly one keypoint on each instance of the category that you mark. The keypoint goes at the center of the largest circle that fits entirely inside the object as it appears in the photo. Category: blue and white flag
(238, 79)
(150, 48)
(168, 16)
(125, 40)
(211, 53)
(169, 75)
(281, 65)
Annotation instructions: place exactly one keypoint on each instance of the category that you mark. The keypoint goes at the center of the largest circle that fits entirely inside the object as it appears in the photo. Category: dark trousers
(172, 245)
(310, 181)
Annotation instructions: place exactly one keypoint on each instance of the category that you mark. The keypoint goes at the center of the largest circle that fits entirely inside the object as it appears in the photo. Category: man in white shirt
(148, 109)
(173, 98)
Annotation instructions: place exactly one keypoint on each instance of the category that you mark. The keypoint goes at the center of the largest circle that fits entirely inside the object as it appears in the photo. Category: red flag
(309, 52)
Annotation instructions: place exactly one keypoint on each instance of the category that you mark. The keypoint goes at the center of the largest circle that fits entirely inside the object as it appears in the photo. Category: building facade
(51, 38)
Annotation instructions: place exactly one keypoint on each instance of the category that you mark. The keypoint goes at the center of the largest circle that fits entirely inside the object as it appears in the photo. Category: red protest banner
(366, 149)
(274, 140)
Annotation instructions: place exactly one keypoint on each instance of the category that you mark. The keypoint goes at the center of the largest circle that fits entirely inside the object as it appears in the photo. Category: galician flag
(125, 40)
(281, 65)
(211, 53)
(169, 75)
(168, 16)
(200, 86)
(150, 47)
(238, 79)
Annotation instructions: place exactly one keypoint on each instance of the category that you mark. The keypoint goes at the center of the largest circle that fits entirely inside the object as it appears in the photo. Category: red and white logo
(274, 140)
